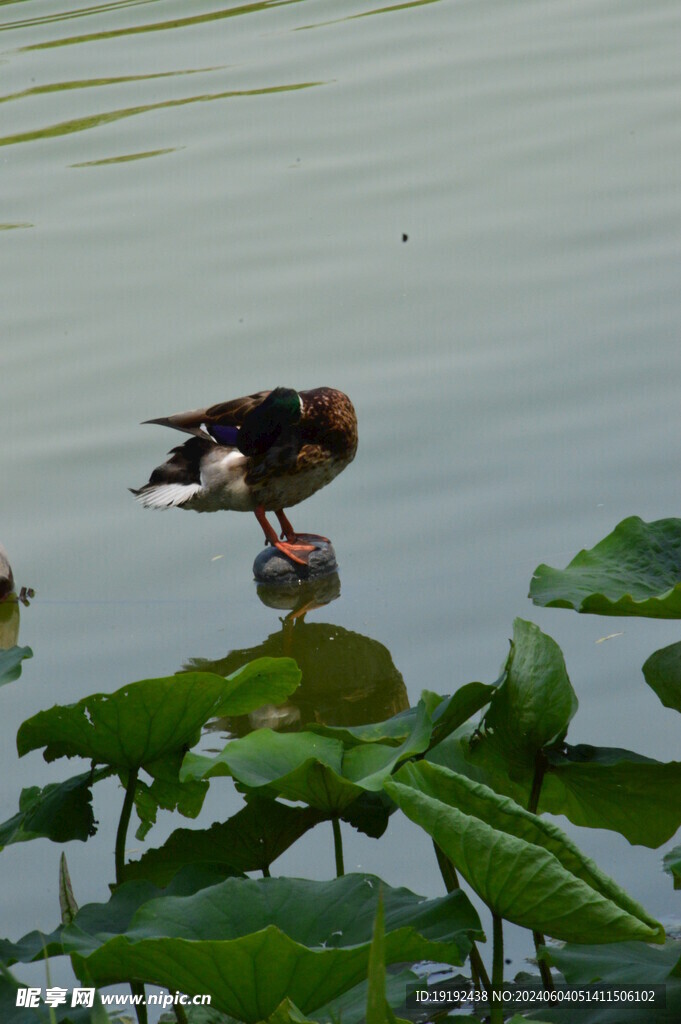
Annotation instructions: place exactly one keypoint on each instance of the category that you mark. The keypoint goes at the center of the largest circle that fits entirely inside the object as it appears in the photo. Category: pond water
(466, 216)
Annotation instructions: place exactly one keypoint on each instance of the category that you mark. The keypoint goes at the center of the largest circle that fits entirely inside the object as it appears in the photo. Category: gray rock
(300, 594)
(274, 568)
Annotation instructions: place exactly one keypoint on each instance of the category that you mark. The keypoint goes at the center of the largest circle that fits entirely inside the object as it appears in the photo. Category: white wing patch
(167, 495)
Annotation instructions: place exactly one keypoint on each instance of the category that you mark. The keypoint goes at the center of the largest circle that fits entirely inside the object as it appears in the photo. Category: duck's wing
(224, 414)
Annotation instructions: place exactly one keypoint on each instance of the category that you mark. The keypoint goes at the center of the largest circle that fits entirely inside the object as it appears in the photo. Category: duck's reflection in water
(9, 622)
(347, 678)
(9, 605)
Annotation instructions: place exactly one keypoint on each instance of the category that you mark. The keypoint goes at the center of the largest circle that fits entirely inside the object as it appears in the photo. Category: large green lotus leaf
(287, 1013)
(351, 1007)
(10, 663)
(635, 570)
(392, 731)
(522, 866)
(535, 702)
(451, 713)
(376, 1004)
(297, 766)
(370, 764)
(469, 753)
(304, 766)
(517, 1018)
(370, 813)
(166, 792)
(252, 943)
(249, 841)
(662, 672)
(587, 784)
(95, 922)
(582, 782)
(61, 811)
(32, 946)
(10, 1013)
(147, 720)
(445, 714)
(378, 1009)
(624, 963)
(672, 864)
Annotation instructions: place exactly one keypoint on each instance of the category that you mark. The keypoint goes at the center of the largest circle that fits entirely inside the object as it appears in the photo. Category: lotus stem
(540, 766)
(122, 832)
(497, 1008)
(451, 880)
(137, 989)
(544, 969)
(338, 847)
(180, 1015)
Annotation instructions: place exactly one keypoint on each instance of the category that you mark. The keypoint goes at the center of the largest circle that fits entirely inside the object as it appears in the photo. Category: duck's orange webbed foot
(312, 537)
(292, 536)
(295, 551)
(291, 547)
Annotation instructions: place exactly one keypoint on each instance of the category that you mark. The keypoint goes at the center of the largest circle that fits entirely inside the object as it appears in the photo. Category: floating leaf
(145, 721)
(662, 673)
(635, 570)
(522, 866)
(10, 663)
(253, 943)
(534, 704)
(250, 841)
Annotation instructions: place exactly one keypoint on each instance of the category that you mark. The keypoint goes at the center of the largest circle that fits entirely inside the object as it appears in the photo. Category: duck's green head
(274, 419)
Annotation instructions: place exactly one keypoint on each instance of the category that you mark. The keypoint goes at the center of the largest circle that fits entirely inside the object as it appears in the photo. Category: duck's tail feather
(176, 481)
(190, 422)
(165, 495)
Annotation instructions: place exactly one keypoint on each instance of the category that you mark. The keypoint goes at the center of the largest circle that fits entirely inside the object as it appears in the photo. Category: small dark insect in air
(405, 238)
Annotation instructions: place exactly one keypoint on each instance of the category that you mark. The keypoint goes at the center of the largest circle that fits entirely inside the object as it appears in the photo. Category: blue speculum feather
(224, 435)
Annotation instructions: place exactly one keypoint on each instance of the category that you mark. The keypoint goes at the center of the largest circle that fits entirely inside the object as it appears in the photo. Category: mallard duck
(261, 453)
(6, 577)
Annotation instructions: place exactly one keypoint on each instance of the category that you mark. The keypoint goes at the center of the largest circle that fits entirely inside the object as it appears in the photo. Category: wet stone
(274, 568)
